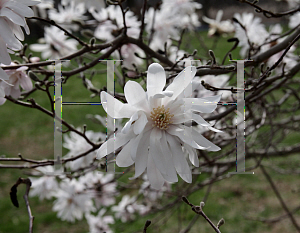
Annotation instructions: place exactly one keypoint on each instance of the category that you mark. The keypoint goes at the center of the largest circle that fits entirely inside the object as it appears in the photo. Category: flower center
(161, 117)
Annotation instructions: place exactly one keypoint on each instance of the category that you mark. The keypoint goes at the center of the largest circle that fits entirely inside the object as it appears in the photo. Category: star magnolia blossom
(12, 17)
(17, 78)
(218, 27)
(155, 132)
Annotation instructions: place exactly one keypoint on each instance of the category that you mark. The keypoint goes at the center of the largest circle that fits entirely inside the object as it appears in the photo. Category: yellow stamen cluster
(161, 117)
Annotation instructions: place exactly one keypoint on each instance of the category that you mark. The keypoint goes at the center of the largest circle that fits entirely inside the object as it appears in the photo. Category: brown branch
(13, 196)
(198, 210)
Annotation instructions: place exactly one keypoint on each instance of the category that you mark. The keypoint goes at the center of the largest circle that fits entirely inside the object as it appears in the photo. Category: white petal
(140, 124)
(8, 36)
(156, 79)
(204, 142)
(2, 93)
(215, 130)
(181, 81)
(204, 105)
(120, 140)
(159, 153)
(179, 160)
(185, 136)
(128, 124)
(3, 75)
(136, 96)
(15, 18)
(26, 83)
(39, 47)
(124, 157)
(19, 8)
(192, 155)
(116, 108)
(141, 155)
(155, 178)
(199, 120)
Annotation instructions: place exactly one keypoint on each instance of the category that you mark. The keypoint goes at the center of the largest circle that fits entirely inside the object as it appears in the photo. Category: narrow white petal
(135, 95)
(207, 105)
(192, 155)
(156, 79)
(3, 75)
(204, 142)
(15, 18)
(215, 130)
(26, 83)
(142, 155)
(116, 108)
(159, 155)
(181, 81)
(128, 124)
(8, 36)
(179, 160)
(155, 178)
(124, 158)
(140, 124)
(120, 140)
(199, 120)
(19, 8)
(185, 136)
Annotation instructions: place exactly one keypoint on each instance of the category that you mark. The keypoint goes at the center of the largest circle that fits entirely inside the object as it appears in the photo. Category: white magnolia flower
(56, 45)
(88, 4)
(71, 201)
(108, 30)
(218, 27)
(68, 16)
(294, 20)
(12, 18)
(218, 81)
(255, 31)
(100, 187)
(155, 132)
(16, 79)
(78, 145)
(151, 195)
(45, 186)
(99, 223)
(290, 59)
(41, 9)
(127, 207)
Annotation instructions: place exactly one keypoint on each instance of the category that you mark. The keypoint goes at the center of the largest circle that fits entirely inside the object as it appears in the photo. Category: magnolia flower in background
(154, 135)
(12, 18)
(69, 16)
(294, 20)
(41, 9)
(167, 22)
(127, 207)
(218, 81)
(152, 195)
(101, 187)
(99, 223)
(78, 145)
(88, 4)
(56, 44)
(108, 30)
(255, 31)
(45, 186)
(290, 59)
(72, 202)
(16, 79)
(218, 27)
